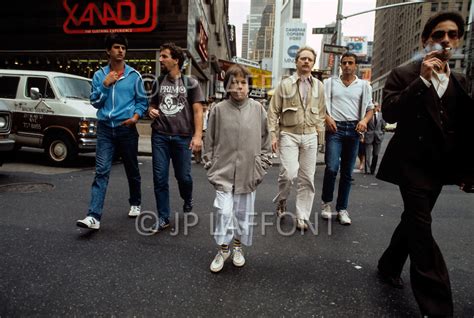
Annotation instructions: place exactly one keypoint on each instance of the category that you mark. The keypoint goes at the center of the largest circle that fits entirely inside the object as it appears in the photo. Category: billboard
(294, 37)
(356, 44)
(85, 17)
(79, 25)
(261, 79)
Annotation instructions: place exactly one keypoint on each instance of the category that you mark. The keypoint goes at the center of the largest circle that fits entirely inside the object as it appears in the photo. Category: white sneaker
(301, 225)
(134, 211)
(238, 257)
(326, 212)
(89, 223)
(219, 260)
(343, 217)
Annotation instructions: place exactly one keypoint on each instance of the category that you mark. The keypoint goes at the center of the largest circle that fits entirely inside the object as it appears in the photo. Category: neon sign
(86, 17)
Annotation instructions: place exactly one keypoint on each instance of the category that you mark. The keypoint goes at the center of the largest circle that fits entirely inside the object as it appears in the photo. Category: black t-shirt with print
(175, 106)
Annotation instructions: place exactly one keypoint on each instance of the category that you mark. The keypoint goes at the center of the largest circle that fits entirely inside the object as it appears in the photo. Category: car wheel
(59, 149)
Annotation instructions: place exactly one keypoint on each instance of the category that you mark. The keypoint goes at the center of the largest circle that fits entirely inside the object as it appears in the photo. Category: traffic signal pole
(340, 17)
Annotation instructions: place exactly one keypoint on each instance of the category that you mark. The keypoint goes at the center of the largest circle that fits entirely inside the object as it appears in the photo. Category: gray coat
(238, 146)
(375, 132)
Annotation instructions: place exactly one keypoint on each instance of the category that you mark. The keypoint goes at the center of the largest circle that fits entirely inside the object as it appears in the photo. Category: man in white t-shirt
(349, 109)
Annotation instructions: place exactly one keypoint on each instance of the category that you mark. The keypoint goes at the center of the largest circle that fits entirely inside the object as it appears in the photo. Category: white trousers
(298, 154)
(235, 214)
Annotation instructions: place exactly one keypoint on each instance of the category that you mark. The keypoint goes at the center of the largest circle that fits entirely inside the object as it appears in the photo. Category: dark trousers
(413, 237)
(176, 148)
(372, 151)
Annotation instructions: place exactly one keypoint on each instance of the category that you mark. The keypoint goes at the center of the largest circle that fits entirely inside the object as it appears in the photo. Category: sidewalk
(144, 142)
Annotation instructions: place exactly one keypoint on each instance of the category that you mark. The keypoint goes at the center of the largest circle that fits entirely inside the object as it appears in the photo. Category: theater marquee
(126, 16)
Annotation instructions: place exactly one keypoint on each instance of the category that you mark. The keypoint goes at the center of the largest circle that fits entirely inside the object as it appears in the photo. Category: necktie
(375, 120)
(304, 89)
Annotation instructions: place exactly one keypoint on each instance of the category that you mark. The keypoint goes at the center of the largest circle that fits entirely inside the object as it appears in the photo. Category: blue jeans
(176, 148)
(341, 149)
(124, 141)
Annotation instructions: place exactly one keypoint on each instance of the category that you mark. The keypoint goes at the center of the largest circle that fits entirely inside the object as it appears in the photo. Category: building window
(458, 6)
(434, 7)
(444, 6)
(296, 9)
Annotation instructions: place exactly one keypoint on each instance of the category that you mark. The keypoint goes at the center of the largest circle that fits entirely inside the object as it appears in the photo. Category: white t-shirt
(346, 100)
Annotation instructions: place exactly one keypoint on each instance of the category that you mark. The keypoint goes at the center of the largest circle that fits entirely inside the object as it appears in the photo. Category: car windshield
(73, 87)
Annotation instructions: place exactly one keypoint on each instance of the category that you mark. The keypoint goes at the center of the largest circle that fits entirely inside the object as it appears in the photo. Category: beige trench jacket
(287, 112)
(237, 146)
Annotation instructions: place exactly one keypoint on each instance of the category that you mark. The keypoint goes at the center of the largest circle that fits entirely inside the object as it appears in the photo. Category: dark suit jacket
(416, 153)
(374, 131)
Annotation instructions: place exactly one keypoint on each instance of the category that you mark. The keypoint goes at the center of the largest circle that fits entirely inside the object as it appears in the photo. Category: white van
(50, 110)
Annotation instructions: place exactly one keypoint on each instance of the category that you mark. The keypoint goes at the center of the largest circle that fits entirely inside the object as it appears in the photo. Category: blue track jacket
(121, 100)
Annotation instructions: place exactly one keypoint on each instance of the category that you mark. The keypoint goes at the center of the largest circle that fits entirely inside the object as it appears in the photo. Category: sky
(316, 13)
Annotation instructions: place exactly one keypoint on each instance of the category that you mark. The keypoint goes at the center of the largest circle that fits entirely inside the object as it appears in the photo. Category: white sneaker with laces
(134, 211)
(238, 257)
(326, 212)
(89, 223)
(343, 217)
(219, 260)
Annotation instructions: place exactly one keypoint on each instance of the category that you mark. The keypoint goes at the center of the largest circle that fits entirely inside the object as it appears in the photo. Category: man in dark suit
(373, 140)
(432, 147)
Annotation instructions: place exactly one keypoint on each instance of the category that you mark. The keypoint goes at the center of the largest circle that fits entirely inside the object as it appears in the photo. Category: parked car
(50, 110)
(6, 142)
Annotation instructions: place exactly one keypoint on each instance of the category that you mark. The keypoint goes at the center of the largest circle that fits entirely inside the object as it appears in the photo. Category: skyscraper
(263, 45)
(245, 39)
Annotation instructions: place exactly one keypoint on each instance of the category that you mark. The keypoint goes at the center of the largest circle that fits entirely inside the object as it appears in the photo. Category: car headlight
(87, 128)
(3, 121)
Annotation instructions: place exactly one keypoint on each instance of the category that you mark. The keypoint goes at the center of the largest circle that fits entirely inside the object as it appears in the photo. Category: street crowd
(430, 147)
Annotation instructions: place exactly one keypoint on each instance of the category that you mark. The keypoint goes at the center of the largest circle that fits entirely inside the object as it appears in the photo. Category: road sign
(336, 49)
(326, 30)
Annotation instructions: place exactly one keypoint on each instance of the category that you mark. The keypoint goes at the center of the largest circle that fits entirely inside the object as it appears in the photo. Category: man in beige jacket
(296, 116)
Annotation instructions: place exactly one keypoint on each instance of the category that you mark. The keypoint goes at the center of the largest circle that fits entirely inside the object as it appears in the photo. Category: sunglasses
(347, 62)
(439, 35)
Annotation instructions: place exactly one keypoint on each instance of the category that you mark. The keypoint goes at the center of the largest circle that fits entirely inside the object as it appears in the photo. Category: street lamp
(340, 17)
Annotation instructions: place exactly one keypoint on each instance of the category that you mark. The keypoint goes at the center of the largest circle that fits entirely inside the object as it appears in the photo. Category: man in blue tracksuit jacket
(119, 95)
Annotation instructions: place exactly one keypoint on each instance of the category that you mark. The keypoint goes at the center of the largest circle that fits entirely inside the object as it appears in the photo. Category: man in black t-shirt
(176, 111)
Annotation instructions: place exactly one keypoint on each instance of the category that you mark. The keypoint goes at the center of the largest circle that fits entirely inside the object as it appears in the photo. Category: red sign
(124, 16)
(202, 42)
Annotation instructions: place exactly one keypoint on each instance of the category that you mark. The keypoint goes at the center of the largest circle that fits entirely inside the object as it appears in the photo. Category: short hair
(441, 17)
(115, 38)
(305, 48)
(349, 54)
(177, 53)
(234, 71)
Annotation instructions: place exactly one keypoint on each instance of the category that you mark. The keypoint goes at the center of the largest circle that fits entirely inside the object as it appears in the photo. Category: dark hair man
(176, 111)
(119, 95)
(373, 140)
(432, 146)
(349, 109)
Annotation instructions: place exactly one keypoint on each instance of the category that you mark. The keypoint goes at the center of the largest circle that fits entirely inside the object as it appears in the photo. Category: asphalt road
(50, 267)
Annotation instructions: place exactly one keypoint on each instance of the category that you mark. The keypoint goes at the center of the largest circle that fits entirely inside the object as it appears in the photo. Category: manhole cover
(26, 187)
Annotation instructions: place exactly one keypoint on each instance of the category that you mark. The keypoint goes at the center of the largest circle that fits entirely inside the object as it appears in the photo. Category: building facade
(68, 36)
(289, 35)
(263, 46)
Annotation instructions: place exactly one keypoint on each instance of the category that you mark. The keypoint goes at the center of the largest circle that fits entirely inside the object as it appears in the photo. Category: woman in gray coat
(238, 152)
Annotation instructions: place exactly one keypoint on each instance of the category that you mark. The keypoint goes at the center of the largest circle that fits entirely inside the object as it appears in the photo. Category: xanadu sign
(127, 16)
